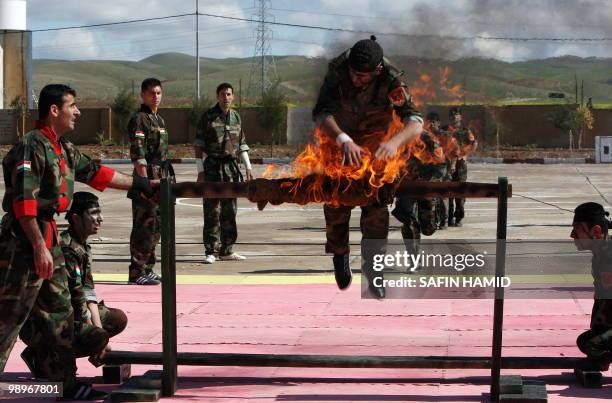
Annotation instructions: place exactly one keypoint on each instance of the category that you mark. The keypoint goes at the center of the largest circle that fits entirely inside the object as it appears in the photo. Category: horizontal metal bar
(343, 361)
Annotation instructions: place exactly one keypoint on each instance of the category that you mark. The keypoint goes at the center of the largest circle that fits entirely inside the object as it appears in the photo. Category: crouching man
(590, 232)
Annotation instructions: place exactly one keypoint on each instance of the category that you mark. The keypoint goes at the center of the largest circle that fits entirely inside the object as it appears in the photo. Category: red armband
(25, 208)
(101, 180)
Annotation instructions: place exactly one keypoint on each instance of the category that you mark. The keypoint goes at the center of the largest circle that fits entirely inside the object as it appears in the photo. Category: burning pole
(321, 189)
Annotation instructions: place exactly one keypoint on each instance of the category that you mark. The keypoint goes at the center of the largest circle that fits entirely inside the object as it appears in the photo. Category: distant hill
(483, 80)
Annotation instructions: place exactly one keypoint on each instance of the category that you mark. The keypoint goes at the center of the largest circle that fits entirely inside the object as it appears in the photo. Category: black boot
(82, 391)
(377, 292)
(342, 271)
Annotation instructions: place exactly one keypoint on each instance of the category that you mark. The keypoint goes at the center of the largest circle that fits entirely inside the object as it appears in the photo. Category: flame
(324, 159)
(423, 90)
(420, 150)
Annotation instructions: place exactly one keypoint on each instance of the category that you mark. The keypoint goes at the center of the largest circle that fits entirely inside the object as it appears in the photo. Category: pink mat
(319, 319)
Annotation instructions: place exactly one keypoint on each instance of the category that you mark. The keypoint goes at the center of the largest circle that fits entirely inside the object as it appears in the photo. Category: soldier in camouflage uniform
(466, 140)
(450, 148)
(219, 142)
(426, 163)
(359, 95)
(39, 175)
(590, 232)
(148, 151)
(94, 322)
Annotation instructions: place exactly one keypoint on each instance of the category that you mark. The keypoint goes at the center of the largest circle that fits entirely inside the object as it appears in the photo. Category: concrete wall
(518, 126)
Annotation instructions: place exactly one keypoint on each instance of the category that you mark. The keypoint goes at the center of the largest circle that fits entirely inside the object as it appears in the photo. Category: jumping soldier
(359, 95)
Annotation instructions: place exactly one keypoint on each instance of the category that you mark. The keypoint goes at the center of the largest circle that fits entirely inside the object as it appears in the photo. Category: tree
(573, 120)
(272, 113)
(123, 106)
(19, 106)
(198, 107)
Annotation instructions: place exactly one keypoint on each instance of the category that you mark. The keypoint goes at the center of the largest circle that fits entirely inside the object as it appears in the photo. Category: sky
(425, 28)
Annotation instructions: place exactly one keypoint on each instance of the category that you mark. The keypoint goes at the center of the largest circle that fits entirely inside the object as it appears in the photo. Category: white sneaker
(209, 259)
(232, 256)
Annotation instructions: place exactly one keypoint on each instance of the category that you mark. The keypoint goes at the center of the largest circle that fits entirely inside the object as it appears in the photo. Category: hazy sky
(225, 38)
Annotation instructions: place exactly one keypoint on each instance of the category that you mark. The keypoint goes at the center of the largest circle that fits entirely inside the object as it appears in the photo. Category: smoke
(432, 30)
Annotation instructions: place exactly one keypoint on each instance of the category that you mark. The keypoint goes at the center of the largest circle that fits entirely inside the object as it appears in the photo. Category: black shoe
(151, 274)
(27, 355)
(82, 391)
(342, 271)
(143, 280)
(451, 222)
(458, 223)
(377, 292)
(443, 226)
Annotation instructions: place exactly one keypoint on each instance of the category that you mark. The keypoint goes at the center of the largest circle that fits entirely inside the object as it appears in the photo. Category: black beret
(433, 116)
(82, 201)
(365, 55)
(590, 212)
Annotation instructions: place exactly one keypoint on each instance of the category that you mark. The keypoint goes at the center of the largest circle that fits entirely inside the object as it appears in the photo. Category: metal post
(197, 51)
(168, 256)
(500, 271)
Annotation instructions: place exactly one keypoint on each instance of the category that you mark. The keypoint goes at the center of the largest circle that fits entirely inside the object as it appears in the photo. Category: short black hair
(52, 94)
(592, 214)
(454, 111)
(150, 82)
(433, 117)
(224, 86)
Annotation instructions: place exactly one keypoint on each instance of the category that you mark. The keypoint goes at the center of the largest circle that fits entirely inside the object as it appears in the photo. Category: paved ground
(283, 300)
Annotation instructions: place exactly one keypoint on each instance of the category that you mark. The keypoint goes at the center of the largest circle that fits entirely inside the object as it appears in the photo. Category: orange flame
(324, 158)
(423, 91)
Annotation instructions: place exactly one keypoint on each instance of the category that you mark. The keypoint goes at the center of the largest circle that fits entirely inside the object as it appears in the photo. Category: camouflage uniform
(597, 342)
(39, 175)
(148, 144)
(418, 216)
(221, 137)
(88, 339)
(464, 137)
(449, 147)
(362, 114)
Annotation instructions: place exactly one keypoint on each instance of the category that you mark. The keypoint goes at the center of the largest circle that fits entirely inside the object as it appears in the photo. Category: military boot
(342, 271)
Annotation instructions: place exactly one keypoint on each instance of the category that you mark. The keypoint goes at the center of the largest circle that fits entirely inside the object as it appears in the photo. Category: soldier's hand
(200, 177)
(386, 150)
(43, 262)
(249, 175)
(352, 154)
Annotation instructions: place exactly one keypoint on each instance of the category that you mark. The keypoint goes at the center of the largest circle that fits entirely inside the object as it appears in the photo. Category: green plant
(103, 140)
(20, 110)
(123, 106)
(573, 120)
(273, 113)
(198, 107)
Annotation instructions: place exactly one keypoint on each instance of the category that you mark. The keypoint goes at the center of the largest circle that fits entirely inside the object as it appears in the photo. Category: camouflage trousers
(220, 229)
(418, 216)
(374, 225)
(597, 342)
(38, 310)
(456, 206)
(146, 227)
(90, 339)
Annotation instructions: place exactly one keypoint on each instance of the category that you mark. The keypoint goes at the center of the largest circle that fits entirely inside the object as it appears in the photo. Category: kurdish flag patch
(24, 165)
(139, 135)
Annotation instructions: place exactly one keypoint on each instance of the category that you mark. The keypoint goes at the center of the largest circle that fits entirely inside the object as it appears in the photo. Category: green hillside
(483, 80)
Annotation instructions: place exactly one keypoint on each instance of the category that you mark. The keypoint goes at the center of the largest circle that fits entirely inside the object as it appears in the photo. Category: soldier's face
(584, 236)
(457, 118)
(152, 96)
(90, 221)
(361, 79)
(434, 124)
(225, 98)
(66, 116)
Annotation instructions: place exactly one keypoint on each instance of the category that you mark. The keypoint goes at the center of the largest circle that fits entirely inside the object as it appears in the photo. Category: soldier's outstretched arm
(389, 148)
(43, 261)
(138, 183)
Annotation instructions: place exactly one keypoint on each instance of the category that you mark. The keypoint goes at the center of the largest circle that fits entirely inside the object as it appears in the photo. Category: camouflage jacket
(428, 162)
(148, 137)
(363, 111)
(220, 135)
(601, 265)
(39, 175)
(79, 260)
(463, 134)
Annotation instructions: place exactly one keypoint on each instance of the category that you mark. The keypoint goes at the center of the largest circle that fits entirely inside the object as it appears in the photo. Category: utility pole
(197, 50)
(263, 68)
